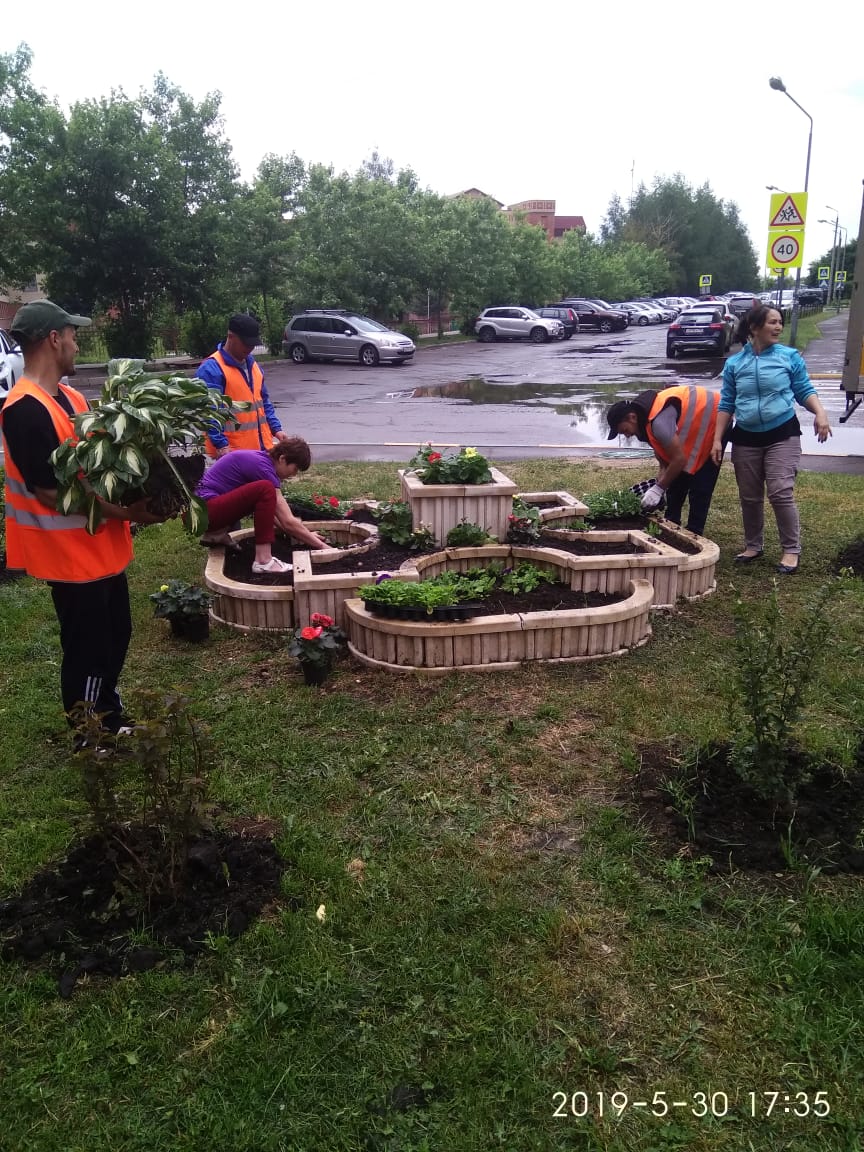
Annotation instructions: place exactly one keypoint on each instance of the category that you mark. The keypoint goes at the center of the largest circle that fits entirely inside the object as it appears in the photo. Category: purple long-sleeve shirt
(243, 466)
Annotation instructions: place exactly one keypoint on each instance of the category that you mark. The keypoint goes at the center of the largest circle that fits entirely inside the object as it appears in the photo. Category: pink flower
(310, 633)
(334, 501)
(317, 500)
(322, 619)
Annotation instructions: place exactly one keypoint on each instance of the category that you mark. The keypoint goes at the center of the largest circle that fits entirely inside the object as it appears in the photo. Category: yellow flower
(470, 451)
(164, 588)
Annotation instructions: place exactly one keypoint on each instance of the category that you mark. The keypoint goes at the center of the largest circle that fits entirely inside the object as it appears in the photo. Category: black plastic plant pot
(315, 672)
(193, 628)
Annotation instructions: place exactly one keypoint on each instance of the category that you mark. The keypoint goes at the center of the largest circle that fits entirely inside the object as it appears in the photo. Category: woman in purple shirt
(247, 482)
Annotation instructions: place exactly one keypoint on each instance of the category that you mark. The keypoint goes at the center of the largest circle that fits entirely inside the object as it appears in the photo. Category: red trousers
(257, 499)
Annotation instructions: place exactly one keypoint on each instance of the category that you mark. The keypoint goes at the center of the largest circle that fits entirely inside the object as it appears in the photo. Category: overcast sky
(562, 101)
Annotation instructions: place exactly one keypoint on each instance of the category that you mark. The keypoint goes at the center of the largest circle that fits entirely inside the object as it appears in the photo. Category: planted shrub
(411, 331)
(468, 535)
(612, 504)
(394, 525)
(776, 664)
(523, 524)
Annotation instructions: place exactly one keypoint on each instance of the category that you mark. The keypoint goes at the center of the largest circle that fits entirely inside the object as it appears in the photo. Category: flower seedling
(465, 467)
(317, 643)
(178, 599)
(468, 535)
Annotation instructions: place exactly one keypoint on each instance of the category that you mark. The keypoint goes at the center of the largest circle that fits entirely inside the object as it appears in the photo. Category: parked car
(666, 310)
(740, 302)
(811, 296)
(567, 317)
(640, 313)
(11, 364)
(705, 328)
(516, 324)
(339, 334)
(593, 316)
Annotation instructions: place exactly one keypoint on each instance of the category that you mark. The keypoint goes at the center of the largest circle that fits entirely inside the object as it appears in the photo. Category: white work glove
(652, 498)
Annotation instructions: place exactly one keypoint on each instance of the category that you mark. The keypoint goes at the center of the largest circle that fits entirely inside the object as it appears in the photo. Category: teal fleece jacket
(761, 390)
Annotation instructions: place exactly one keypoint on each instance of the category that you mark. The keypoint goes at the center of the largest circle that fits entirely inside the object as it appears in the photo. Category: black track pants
(95, 630)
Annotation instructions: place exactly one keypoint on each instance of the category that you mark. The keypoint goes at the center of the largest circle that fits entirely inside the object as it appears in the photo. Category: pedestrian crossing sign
(824, 273)
(788, 210)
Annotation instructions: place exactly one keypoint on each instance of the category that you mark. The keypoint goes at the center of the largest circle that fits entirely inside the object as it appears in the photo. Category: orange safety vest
(252, 430)
(43, 541)
(695, 424)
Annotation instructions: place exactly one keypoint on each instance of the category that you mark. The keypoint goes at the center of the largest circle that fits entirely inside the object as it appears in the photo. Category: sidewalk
(824, 356)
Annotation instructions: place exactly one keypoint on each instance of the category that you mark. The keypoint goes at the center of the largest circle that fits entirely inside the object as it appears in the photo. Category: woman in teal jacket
(761, 386)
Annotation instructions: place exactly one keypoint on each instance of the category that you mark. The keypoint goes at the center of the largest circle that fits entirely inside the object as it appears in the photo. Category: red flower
(310, 633)
(322, 619)
(334, 501)
(434, 457)
(317, 499)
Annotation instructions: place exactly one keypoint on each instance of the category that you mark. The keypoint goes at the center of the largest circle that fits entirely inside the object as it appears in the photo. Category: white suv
(11, 364)
(516, 324)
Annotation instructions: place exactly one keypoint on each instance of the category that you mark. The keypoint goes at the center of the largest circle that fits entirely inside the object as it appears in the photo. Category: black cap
(246, 327)
(616, 414)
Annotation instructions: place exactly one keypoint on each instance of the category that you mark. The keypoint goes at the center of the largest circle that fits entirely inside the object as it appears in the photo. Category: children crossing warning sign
(788, 210)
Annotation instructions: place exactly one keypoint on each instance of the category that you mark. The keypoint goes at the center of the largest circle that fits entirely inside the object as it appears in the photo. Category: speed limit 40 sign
(785, 248)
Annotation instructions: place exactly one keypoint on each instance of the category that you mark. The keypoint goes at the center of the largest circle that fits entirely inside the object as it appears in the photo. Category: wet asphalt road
(511, 399)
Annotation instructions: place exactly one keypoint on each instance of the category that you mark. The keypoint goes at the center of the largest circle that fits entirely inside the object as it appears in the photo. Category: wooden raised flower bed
(488, 643)
(654, 562)
(271, 607)
(696, 570)
(554, 505)
(317, 590)
(442, 506)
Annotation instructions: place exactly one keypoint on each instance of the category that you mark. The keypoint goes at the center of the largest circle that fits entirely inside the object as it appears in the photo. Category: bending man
(679, 424)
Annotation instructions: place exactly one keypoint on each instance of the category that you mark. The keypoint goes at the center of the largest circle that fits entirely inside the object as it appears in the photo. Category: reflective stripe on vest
(252, 430)
(44, 542)
(695, 424)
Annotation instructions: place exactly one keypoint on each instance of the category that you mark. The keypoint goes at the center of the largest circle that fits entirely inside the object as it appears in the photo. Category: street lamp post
(777, 84)
(836, 224)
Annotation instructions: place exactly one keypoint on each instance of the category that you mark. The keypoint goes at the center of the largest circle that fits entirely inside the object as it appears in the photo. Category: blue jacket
(210, 372)
(761, 390)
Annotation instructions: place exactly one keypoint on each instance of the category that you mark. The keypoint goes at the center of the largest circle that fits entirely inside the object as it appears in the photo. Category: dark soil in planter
(587, 547)
(641, 523)
(383, 557)
(238, 562)
(736, 828)
(82, 913)
(852, 556)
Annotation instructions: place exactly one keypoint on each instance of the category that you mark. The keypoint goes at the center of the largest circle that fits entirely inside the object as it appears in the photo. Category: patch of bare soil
(735, 827)
(85, 911)
(625, 524)
(852, 556)
(587, 547)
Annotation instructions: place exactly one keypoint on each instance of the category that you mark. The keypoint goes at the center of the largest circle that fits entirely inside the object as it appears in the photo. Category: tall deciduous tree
(697, 232)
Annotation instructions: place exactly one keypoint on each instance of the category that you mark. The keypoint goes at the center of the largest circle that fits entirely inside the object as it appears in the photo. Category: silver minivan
(338, 334)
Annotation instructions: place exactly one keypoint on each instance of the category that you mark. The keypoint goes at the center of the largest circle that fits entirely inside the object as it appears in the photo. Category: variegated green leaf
(195, 517)
(132, 460)
(109, 483)
(120, 425)
(94, 514)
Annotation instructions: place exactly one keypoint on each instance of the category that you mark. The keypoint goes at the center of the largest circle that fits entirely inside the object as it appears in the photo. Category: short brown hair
(295, 450)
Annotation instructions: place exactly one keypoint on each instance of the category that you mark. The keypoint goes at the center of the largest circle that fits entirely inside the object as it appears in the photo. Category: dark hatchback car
(706, 328)
(593, 316)
(567, 316)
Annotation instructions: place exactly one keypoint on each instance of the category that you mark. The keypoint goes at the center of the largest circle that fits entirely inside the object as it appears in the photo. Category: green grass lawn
(500, 927)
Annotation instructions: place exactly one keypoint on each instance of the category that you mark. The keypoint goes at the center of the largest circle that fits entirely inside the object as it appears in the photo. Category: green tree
(695, 230)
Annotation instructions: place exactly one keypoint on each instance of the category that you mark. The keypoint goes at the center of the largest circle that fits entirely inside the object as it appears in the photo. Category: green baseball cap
(34, 321)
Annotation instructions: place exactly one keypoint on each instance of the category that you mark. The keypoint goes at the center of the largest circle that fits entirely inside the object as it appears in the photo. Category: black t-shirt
(30, 439)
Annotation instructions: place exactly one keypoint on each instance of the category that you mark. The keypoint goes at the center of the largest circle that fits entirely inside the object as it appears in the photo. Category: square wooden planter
(442, 506)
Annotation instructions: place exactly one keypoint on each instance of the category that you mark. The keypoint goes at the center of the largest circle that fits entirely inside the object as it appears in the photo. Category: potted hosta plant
(186, 607)
(121, 450)
(316, 647)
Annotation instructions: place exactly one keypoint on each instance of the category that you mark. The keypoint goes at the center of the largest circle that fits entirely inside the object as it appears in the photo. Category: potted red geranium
(316, 646)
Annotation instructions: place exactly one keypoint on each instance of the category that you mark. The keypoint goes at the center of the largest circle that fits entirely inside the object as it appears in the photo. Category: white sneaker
(273, 567)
